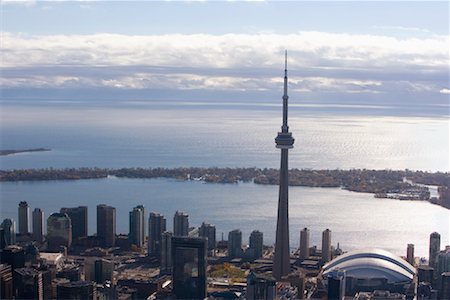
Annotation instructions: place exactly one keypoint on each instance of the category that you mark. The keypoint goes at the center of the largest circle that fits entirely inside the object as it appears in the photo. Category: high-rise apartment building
(79, 218)
(9, 232)
(106, 225)
(180, 224)
(284, 141)
(208, 231)
(24, 217)
(156, 227)
(59, 231)
(166, 253)
(304, 243)
(137, 226)
(189, 267)
(99, 270)
(326, 245)
(38, 225)
(410, 254)
(256, 243)
(235, 243)
(435, 247)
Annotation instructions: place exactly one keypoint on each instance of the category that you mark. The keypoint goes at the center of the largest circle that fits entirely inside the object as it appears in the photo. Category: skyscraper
(166, 252)
(234, 243)
(6, 282)
(304, 243)
(38, 225)
(59, 231)
(79, 217)
(106, 224)
(410, 254)
(9, 231)
(208, 231)
(326, 245)
(24, 217)
(76, 290)
(189, 267)
(284, 141)
(156, 227)
(435, 247)
(256, 243)
(28, 284)
(137, 225)
(180, 224)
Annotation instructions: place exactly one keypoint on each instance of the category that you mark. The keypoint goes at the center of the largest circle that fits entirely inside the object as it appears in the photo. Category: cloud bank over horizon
(319, 62)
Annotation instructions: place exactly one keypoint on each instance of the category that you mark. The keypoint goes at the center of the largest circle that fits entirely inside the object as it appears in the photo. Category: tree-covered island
(398, 184)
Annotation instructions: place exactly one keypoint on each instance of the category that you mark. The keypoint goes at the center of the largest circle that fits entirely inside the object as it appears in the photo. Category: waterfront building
(235, 243)
(166, 253)
(189, 267)
(9, 232)
(79, 218)
(59, 231)
(425, 274)
(256, 244)
(156, 227)
(326, 245)
(106, 225)
(180, 224)
(435, 247)
(28, 284)
(137, 225)
(76, 290)
(38, 225)
(208, 231)
(410, 254)
(6, 282)
(284, 141)
(304, 243)
(24, 217)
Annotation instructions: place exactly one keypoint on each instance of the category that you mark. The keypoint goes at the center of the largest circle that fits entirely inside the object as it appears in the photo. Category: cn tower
(284, 141)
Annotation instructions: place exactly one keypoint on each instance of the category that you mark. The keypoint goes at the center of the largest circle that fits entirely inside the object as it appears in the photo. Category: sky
(375, 52)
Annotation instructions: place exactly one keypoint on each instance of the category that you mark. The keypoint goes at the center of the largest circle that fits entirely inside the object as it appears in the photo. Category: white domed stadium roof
(372, 263)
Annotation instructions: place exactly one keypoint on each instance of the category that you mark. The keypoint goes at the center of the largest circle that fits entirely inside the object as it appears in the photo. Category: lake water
(356, 220)
(174, 134)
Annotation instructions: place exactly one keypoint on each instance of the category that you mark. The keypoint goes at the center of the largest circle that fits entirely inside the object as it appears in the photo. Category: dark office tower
(284, 141)
(336, 284)
(189, 267)
(260, 286)
(28, 284)
(2, 239)
(234, 243)
(410, 254)
(304, 243)
(24, 217)
(9, 234)
(76, 290)
(79, 217)
(59, 231)
(156, 227)
(38, 225)
(208, 231)
(256, 243)
(137, 223)
(14, 256)
(180, 224)
(435, 247)
(166, 253)
(326, 245)
(6, 282)
(106, 225)
(444, 291)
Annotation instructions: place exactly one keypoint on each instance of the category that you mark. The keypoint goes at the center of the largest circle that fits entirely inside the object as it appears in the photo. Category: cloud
(318, 61)
(444, 91)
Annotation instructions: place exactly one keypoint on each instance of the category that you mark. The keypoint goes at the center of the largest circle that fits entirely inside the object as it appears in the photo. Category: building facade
(180, 224)
(256, 244)
(79, 217)
(24, 217)
(59, 231)
(106, 225)
(137, 225)
(304, 243)
(156, 227)
(235, 243)
(38, 225)
(208, 231)
(326, 245)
